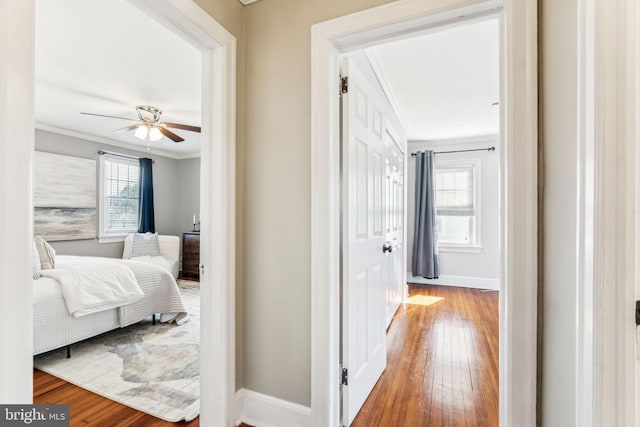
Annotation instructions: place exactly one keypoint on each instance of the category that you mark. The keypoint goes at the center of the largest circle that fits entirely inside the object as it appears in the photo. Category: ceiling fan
(148, 126)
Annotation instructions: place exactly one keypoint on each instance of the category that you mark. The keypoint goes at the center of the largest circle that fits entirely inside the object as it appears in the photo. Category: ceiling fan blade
(104, 115)
(132, 127)
(170, 134)
(183, 127)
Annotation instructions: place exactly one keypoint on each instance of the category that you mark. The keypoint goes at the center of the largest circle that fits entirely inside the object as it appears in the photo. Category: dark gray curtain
(146, 216)
(425, 250)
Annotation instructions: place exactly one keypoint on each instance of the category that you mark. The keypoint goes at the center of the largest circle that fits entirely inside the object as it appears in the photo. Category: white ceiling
(444, 82)
(106, 57)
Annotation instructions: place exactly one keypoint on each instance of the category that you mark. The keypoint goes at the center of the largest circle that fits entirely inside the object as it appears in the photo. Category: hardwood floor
(90, 409)
(442, 362)
(442, 370)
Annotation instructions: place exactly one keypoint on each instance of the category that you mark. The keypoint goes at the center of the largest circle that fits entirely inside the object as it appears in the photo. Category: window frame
(475, 163)
(103, 235)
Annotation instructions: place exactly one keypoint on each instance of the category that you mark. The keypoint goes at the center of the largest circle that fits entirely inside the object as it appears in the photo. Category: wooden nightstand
(191, 255)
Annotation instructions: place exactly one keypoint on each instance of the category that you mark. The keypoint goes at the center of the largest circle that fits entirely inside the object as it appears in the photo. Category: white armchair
(169, 249)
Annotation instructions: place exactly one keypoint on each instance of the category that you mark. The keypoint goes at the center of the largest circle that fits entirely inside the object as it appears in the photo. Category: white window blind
(120, 187)
(454, 191)
(455, 197)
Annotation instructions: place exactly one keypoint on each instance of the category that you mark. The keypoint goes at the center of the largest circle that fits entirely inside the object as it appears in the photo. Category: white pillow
(35, 262)
(46, 253)
(145, 245)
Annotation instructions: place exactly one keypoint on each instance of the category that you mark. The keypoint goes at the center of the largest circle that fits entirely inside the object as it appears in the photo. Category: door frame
(519, 206)
(217, 346)
(609, 217)
(609, 72)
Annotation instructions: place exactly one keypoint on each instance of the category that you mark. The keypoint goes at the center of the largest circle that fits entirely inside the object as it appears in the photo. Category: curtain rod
(126, 156)
(492, 148)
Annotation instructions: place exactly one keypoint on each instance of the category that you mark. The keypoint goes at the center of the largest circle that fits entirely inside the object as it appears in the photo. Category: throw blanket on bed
(54, 327)
(161, 296)
(95, 284)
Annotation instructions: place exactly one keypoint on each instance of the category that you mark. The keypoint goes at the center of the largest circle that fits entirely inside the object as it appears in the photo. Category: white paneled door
(394, 146)
(365, 248)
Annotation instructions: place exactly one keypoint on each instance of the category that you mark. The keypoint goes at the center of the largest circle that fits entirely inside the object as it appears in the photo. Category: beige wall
(273, 184)
(276, 268)
(228, 13)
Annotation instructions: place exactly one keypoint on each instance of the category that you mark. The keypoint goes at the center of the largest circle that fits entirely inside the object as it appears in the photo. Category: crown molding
(114, 143)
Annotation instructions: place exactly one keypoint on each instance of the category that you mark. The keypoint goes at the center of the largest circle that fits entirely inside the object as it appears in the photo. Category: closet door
(394, 227)
(364, 241)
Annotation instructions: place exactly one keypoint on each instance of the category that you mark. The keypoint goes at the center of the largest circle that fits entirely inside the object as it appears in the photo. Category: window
(120, 186)
(456, 198)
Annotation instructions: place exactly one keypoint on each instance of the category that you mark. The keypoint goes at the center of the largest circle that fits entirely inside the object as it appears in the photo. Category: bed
(55, 327)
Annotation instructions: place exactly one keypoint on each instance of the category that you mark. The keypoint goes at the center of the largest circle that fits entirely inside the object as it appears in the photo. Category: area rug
(151, 368)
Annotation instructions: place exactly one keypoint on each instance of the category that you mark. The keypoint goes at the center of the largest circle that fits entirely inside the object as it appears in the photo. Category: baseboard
(261, 410)
(462, 281)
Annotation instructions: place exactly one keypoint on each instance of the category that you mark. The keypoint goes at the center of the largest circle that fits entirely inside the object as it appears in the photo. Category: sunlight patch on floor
(423, 300)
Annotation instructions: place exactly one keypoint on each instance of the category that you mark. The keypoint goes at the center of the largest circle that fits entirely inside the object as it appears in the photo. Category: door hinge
(344, 377)
(344, 85)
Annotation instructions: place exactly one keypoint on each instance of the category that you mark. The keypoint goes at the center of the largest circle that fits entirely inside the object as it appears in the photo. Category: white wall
(477, 270)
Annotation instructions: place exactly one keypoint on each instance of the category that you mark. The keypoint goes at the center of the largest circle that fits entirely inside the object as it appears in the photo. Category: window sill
(112, 238)
(470, 249)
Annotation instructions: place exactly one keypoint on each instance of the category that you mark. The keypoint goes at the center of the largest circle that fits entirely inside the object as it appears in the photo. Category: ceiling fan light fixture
(142, 132)
(148, 113)
(155, 134)
(149, 127)
(148, 133)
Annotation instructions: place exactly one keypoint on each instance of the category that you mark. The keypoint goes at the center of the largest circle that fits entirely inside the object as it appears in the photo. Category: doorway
(217, 204)
(78, 120)
(519, 206)
(429, 100)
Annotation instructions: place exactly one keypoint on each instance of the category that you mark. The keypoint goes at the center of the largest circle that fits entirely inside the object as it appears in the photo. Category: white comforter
(90, 285)
(54, 327)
